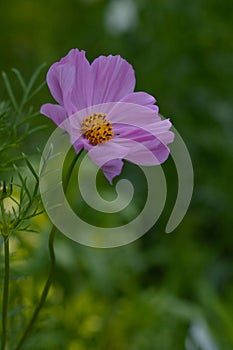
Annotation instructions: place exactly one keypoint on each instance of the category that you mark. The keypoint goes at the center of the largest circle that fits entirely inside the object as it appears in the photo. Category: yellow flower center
(96, 128)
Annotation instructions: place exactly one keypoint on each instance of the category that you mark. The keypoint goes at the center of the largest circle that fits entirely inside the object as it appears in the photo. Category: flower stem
(48, 283)
(5, 296)
(44, 292)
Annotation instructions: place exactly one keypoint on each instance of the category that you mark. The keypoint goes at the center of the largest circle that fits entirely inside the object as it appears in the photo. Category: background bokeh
(162, 292)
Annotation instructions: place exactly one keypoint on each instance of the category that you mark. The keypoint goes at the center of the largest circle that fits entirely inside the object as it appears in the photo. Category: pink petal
(78, 145)
(54, 112)
(113, 78)
(105, 152)
(83, 86)
(143, 147)
(69, 81)
(60, 78)
(141, 98)
(54, 84)
(81, 143)
(112, 168)
(161, 130)
(133, 114)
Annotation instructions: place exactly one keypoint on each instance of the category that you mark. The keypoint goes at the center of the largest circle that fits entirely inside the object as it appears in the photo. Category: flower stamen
(97, 129)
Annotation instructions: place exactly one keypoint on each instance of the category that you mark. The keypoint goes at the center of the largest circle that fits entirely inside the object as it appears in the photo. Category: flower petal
(147, 153)
(54, 84)
(141, 98)
(133, 114)
(105, 152)
(81, 143)
(82, 91)
(144, 148)
(69, 81)
(161, 130)
(60, 78)
(112, 168)
(55, 112)
(113, 78)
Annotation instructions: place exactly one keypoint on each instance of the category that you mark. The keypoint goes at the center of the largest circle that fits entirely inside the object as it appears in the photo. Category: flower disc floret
(97, 129)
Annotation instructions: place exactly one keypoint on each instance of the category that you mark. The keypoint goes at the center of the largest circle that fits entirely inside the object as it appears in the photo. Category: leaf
(10, 91)
(23, 181)
(30, 167)
(36, 90)
(20, 78)
(27, 96)
(35, 76)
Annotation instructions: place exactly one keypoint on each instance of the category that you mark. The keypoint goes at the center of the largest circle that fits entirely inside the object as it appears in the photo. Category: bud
(5, 191)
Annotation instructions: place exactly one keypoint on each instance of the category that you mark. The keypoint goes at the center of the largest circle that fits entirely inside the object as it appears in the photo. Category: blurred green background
(162, 292)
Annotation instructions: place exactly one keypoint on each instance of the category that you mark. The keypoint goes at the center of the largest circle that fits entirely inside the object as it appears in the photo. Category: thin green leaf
(14, 211)
(33, 215)
(29, 87)
(10, 91)
(27, 229)
(36, 129)
(25, 120)
(20, 78)
(23, 181)
(36, 189)
(12, 160)
(35, 76)
(36, 90)
(46, 160)
(30, 167)
(32, 81)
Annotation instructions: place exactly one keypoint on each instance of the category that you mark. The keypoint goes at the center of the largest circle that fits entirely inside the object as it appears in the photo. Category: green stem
(44, 292)
(52, 267)
(5, 296)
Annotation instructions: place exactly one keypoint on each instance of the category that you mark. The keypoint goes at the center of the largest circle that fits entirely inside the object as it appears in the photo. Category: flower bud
(5, 191)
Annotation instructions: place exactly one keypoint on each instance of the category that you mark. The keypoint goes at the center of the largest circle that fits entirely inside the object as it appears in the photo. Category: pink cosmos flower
(98, 107)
